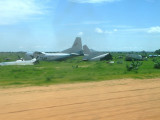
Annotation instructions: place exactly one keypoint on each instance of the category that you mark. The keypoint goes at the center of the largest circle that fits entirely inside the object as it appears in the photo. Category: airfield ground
(126, 99)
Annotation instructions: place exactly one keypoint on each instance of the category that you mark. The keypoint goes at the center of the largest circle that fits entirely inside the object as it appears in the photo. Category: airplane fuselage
(54, 56)
(19, 62)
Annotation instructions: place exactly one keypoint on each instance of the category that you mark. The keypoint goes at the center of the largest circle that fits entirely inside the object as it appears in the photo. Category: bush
(157, 64)
(120, 62)
(74, 66)
(48, 79)
(134, 65)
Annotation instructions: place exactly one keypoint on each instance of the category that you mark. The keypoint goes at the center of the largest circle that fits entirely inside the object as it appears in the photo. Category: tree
(157, 51)
(144, 53)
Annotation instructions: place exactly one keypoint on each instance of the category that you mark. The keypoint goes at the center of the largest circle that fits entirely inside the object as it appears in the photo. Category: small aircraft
(94, 55)
(75, 50)
(20, 62)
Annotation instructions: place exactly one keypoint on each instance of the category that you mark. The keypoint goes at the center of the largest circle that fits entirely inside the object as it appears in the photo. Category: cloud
(115, 30)
(147, 30)
(144, 30)
(80, 33)
(99, 30)
(154, 29)
(93, 1)
(14, 11)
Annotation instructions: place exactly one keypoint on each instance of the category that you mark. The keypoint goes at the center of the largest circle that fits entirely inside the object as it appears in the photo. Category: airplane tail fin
(86, 50)
(76, 47)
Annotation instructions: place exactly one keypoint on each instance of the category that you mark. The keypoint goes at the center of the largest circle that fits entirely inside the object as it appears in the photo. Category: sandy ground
(108, 100)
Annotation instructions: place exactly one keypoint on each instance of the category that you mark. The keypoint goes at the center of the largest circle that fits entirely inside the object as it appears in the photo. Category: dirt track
(109, 100)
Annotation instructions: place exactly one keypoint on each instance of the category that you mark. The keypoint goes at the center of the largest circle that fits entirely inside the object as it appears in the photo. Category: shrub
(157, 64)
(74, 66)
(120, 62)
(48, 79)
(134, 65)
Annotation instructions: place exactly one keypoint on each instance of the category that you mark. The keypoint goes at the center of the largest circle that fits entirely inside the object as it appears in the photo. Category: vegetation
(157, 51)
(144, 53)
(156, 63)
(134, 65)
(72, 71)
(10, 56)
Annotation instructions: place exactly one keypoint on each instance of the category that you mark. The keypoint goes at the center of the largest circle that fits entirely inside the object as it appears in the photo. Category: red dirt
(109, 100)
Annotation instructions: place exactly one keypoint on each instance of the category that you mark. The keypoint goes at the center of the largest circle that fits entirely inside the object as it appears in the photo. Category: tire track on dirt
(94, 101)
(140, 89)
(136, 100)
(100, 108)
(146, 109)
(125, 105)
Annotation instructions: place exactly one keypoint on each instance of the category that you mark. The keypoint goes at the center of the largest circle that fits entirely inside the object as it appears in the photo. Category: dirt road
(108, 100)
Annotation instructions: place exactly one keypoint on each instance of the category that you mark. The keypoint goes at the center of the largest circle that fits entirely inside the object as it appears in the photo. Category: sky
(103, 25)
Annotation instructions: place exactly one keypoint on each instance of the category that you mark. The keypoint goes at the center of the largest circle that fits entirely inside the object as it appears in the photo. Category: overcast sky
(105, 25)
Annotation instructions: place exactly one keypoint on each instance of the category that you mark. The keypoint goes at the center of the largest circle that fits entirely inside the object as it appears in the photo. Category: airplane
(20, 62)
(135, 57)
(94, 55)
(75, 50)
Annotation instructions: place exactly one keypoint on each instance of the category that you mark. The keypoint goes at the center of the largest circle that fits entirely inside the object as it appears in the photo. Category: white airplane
(95, 56)
(75, 50)
(20, 62)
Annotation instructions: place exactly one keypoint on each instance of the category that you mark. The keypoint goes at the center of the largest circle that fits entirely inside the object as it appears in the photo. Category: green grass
(47, 73)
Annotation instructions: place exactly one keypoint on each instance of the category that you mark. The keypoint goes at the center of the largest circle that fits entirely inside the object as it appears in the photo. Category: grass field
(71, 71)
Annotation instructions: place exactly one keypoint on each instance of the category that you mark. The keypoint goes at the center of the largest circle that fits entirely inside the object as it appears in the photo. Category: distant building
(154, 56)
